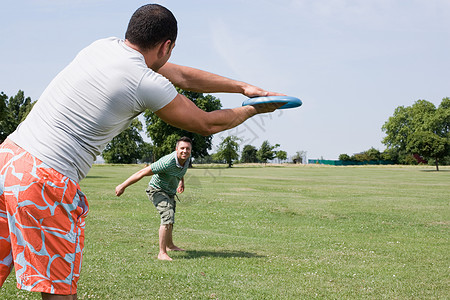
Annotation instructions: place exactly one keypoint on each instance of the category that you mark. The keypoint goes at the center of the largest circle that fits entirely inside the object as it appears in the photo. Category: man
(93, 99)
(168, 179)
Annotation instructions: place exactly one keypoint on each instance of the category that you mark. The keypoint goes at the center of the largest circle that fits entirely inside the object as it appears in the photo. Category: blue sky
(351, 62)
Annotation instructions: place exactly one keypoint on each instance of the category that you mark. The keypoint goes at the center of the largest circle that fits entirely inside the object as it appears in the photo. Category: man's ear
(164, 48)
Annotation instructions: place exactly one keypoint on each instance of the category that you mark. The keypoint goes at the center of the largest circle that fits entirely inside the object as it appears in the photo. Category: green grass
(297, 232)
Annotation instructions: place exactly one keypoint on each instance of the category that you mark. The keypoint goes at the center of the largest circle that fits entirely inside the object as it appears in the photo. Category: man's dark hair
(184, 139)
(151, 24)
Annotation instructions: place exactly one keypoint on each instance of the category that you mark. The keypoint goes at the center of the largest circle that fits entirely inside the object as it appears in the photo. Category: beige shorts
(165, 204)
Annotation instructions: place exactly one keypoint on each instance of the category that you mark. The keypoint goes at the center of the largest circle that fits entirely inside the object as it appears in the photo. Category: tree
(298, 157)
(369, 155)
(266, 152)
(249, 154)
(344, 157)
(13, 112)
(416, 126)
(429, 145)
(441, 121)
(281, 155)
(228, 150)
(373, 154)
(390, 154)
(3, 101)
(146, 150)
(3, 115)
(125, 147)
(166, 146)
(160, 132)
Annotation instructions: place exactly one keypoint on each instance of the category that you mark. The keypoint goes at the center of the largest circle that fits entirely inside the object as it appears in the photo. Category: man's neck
(180, 161)
(147, 54)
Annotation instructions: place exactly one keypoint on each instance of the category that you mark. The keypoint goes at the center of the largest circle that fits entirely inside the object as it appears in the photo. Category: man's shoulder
(102, 43)
(167, 159)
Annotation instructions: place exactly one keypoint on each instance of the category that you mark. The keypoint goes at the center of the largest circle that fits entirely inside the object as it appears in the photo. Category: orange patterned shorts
(41, 224)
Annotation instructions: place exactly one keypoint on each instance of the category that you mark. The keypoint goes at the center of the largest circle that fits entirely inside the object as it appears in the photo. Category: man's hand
(254, 91)
(119, 190)
(180, 188)
(267, 107)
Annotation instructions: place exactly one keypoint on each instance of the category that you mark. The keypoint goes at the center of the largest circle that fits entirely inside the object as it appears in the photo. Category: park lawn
(271, 232)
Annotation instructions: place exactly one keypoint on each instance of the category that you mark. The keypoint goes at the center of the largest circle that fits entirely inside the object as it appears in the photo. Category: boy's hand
(180, 188)
(119, 190)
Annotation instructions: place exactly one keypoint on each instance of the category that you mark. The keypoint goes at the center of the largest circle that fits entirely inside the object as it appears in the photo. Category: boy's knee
(168, 226)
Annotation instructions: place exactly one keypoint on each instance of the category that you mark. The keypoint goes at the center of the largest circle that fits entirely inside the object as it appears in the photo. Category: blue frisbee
(291, 102)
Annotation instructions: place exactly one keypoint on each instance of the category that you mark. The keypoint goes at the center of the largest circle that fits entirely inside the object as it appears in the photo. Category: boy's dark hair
(184, 139)
(151, 24)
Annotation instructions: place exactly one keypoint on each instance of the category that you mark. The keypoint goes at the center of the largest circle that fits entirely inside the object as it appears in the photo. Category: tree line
(415, 134)
(228, 152)
(419, 133)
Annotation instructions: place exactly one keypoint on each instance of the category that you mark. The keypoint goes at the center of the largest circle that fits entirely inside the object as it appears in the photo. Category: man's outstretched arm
(183, 113)
(147, 171)
(196, 80)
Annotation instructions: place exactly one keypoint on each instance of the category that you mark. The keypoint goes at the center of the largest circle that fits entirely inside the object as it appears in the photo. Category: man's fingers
(268, 107)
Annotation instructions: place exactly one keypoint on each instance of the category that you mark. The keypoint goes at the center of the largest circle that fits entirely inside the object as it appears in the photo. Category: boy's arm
(180, 188)
(147, 171)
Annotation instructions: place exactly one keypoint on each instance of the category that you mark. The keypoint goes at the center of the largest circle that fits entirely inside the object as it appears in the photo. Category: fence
(349, 162)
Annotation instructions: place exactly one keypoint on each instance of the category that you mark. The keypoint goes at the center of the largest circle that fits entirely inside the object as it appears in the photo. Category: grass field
(275, 232)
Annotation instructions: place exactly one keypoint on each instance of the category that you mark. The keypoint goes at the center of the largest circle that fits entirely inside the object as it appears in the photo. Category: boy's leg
(166, 242)
(166, 206)
(170, 246)
(163, 237)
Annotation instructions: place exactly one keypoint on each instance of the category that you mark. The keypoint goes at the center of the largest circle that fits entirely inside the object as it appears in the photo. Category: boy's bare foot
(164, 256)
(174, 248)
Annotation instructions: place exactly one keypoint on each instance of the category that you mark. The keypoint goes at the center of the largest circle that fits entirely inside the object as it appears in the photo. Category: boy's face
(183, 151)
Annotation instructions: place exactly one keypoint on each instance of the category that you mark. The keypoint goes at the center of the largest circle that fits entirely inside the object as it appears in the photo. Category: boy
(168, 179)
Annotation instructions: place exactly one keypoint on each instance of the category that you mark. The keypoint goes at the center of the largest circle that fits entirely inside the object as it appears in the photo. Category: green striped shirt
(168, 173)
